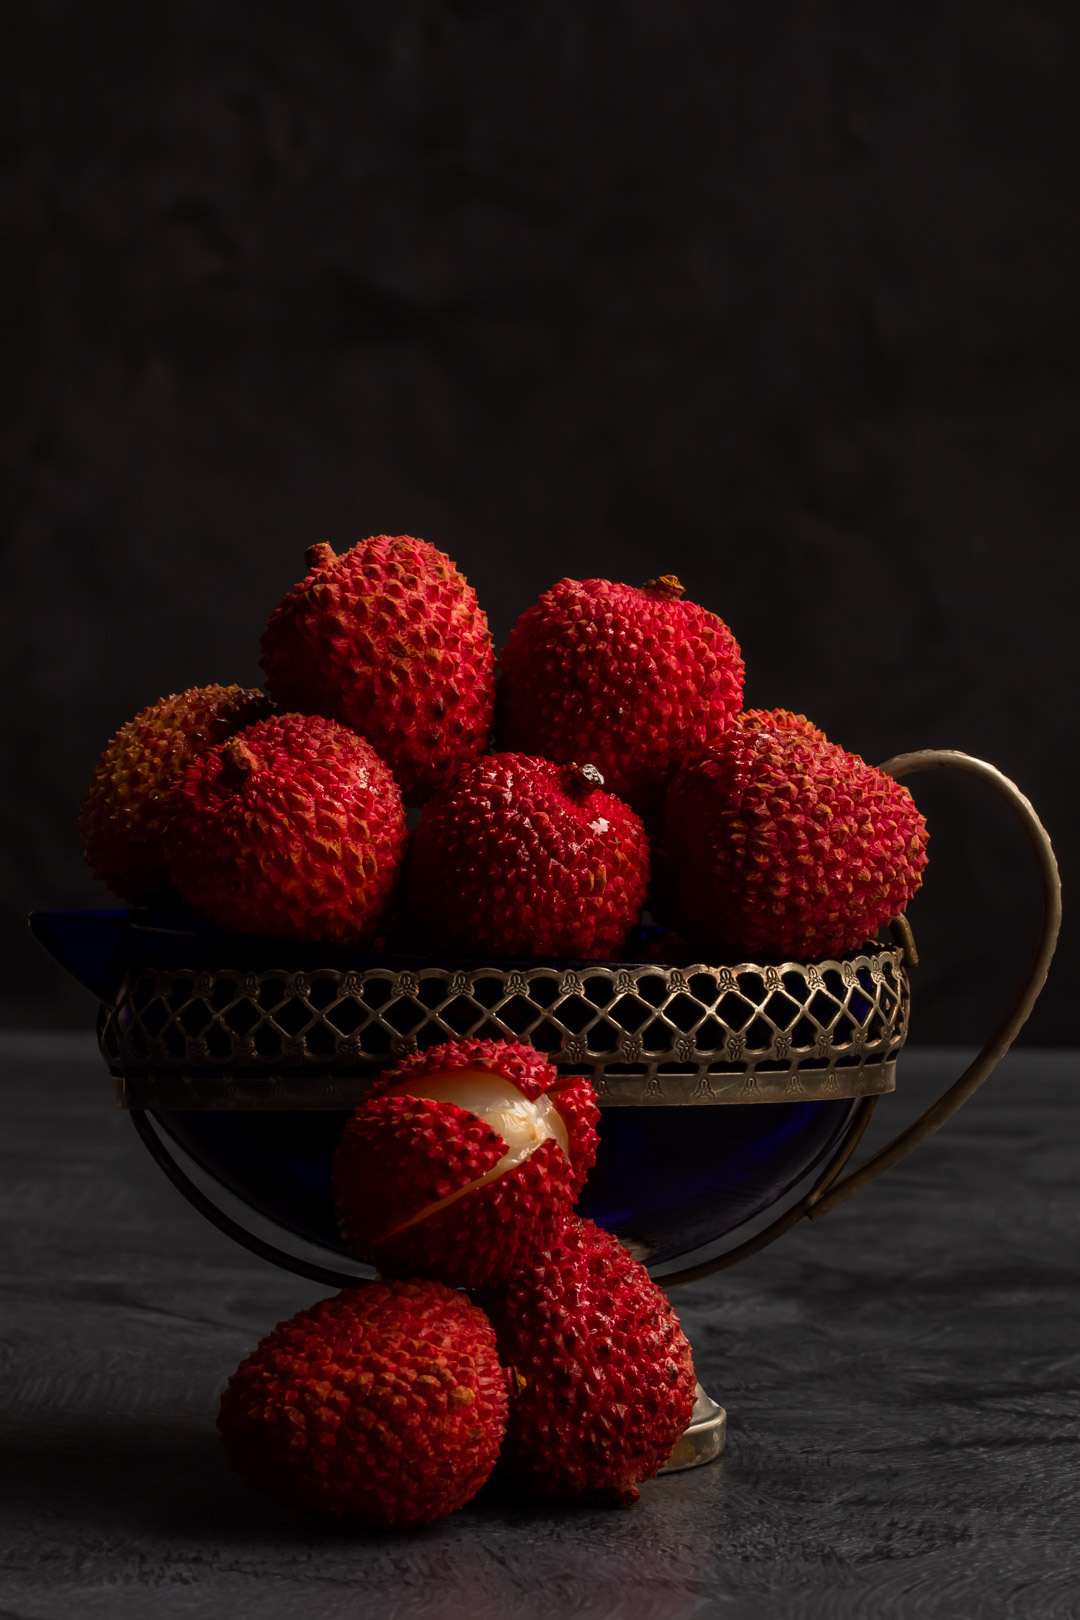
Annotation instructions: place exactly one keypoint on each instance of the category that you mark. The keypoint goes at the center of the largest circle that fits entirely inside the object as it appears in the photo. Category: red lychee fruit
(462, 1160)
(781, 844)
(629, 679)
(385, 1405)
(519, 857)
(293, 828)
(779, 720)
(603, 1377)
(133, 791)
(389, 639)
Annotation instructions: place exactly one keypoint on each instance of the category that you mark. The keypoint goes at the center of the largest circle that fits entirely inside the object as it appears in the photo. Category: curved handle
(942, 759)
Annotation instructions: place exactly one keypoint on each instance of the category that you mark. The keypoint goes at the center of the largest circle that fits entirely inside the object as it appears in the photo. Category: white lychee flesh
(523, 1123)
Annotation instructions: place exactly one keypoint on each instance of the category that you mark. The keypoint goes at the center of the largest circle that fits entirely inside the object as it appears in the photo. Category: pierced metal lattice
(646, 1034)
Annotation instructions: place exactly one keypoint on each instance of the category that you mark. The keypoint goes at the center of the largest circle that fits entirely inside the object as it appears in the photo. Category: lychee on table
(384, 1405)
(603, 1375)
(463, 1166)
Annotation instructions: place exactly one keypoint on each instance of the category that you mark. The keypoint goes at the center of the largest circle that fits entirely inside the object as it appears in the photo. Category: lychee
(385, 1405)
(389, 639)
(779, 720)
(133, 790)
(780, 844)
(628, 679)
(603, 1377)
(292, 828)
(520, 857)
(463, 1159)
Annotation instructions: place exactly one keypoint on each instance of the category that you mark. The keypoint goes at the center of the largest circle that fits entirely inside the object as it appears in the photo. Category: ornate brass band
(647, 1034)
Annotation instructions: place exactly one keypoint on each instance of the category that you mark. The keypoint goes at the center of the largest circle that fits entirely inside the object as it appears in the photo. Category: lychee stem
(238, 759)
(320, 555)
(582, 779)
(665, 585)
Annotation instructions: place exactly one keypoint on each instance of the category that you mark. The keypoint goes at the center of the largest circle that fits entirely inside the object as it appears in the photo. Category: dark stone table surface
(903, 1383)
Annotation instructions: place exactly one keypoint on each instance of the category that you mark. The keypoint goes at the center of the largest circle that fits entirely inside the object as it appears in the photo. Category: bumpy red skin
(385, 1405)
(389, 639)
(305, 845)
(133, 792)
(779, 720)
(603, 1373)
(628, 679)
(399, 1154)
(782, 845)
(517, 857)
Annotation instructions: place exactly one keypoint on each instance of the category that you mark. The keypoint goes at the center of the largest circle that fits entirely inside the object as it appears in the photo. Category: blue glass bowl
(668, 1179)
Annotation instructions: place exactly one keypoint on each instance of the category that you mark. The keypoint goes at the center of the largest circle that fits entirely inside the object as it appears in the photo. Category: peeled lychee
(293, 828)
(389, 639)
(520, 857)
(385, 1405)
(780, 844)
(603, 1377)
(133, 791)
(628, 679)
(462, 1160)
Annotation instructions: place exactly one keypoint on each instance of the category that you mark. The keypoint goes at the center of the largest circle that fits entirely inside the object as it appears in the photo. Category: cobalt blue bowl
(668, 1180)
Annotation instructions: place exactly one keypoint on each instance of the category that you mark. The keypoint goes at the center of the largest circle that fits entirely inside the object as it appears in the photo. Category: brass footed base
(702, 1440)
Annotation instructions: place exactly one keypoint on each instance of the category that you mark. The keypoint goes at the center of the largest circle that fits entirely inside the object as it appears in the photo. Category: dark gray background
(780, 298)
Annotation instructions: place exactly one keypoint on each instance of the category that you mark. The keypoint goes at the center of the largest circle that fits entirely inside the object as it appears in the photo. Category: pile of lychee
(502, 1329)
(625, 773)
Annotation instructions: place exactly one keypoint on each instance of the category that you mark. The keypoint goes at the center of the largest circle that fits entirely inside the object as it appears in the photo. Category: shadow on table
(158, 1489)
(134, 1473)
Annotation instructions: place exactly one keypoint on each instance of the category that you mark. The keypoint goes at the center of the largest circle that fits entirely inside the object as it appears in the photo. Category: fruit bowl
(732, 1089)
(723, 1086)
(726, 1089)
(249, 1054)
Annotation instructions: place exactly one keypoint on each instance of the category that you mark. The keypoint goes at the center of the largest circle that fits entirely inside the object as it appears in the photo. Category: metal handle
(943, 759)
(827, 1192)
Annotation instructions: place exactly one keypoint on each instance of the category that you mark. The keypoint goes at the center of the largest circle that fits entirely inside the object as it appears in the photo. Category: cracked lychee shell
(782, 845)
(603, 1376)
(462, 1160)
(385, 1406)
(389, 639)
(133, 792)
(293, 828)
(630, 679)
(520, 857)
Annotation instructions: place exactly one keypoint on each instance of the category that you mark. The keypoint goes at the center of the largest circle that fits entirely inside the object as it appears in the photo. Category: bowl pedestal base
(702, 1440)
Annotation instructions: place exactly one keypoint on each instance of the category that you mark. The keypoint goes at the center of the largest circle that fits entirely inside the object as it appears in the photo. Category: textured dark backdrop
(780, 298)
